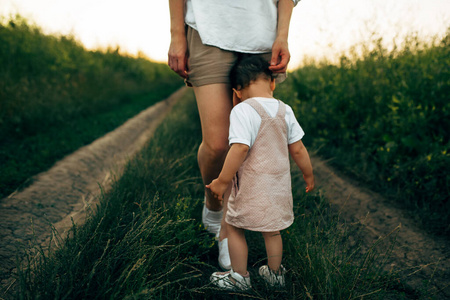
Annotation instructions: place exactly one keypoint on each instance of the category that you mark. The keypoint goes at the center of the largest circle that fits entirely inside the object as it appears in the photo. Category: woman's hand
(178, 55)
(280, 50)
(280, 56)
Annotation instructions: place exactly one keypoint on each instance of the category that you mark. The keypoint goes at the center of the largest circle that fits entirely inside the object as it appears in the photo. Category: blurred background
(370, 80)
(319, 28)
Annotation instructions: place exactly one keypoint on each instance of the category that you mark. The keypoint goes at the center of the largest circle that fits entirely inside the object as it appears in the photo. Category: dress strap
(258, 107)
(281, 109)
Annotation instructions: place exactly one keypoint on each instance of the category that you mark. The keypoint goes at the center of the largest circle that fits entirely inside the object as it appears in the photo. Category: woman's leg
(274, 249)
(237, 245)
(214, 106)
(214, 102)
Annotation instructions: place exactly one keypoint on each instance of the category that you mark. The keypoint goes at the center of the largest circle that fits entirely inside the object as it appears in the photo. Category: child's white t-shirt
(245, 122)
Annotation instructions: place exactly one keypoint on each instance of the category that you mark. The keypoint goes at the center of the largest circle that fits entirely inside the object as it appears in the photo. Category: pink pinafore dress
(261, 196)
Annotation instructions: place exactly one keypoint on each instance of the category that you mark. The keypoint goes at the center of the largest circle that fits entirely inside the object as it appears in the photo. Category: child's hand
(217, 188)
(309, 183)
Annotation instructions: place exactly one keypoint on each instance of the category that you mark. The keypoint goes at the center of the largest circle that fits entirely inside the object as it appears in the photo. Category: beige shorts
(209, 64)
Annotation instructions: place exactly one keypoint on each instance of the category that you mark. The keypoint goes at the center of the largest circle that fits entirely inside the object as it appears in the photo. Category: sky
(319, 28)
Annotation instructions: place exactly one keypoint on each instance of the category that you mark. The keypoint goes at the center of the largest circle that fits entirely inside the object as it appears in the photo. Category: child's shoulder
(242, 109)
(267, 103)
(272, 102)
(260, 100)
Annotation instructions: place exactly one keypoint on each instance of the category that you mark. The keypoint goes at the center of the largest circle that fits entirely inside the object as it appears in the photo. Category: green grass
(56, 96)
(383, 117)
(26, 156)
(145, 239)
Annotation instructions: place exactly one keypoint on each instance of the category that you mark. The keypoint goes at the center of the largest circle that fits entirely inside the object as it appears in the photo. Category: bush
(384, 117)
(56, 96)
(47, 80)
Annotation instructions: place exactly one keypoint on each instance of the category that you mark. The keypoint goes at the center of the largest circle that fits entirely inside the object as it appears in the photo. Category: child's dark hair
(249, 69)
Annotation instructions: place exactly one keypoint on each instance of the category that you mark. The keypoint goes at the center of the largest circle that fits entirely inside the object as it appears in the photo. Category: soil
(65, 191)
(422, 260)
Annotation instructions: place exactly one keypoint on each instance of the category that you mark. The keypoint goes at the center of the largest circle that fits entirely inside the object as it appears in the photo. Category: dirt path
(64, 192)
(72, 184)
(419, 256)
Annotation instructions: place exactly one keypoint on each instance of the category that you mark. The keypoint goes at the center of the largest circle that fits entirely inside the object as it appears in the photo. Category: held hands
(280, 56)
(217, 188)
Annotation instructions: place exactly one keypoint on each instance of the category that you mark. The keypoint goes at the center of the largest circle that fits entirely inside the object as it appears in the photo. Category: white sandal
(272, 278)
(231, 281)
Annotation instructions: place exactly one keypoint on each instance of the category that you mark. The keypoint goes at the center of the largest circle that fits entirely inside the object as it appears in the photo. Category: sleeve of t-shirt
(240, 127)
(295, 131)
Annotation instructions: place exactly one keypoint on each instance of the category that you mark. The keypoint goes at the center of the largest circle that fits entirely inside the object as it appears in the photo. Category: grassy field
(145, 240)
(55, 96)
(383, 117)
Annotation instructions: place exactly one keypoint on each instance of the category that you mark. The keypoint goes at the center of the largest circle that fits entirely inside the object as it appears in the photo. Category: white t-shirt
(247, 26)
(245, 122)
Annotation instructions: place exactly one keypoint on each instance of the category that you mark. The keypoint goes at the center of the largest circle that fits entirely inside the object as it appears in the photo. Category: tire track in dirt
(417, 255)
(70, 186)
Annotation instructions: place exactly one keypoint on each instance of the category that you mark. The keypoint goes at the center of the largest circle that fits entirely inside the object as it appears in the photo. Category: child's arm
(301, 158)
(235, 157)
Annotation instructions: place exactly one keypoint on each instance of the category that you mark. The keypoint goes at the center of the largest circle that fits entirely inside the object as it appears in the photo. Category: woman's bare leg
(214, 104)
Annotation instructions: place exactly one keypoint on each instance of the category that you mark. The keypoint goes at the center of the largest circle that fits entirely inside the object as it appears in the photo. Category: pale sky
(318, 27)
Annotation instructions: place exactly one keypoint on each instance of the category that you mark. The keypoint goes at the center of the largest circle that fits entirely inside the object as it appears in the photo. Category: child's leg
(274, 249)
(223, 224)
(237, 245)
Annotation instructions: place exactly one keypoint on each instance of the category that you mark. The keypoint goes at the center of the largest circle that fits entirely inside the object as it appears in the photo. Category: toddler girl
(263, 132)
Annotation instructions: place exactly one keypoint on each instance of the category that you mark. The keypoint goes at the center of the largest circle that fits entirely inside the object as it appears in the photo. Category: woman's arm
(280, 49)
(178, 44)
(235, 157)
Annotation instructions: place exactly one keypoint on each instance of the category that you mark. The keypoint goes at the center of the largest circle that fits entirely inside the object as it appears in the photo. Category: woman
(207, 37)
